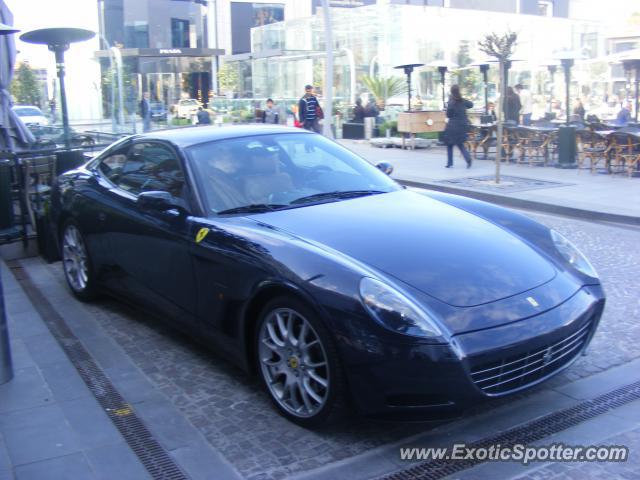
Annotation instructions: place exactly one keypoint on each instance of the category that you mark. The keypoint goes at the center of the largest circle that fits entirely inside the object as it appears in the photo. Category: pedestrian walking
(526, 102)
(145, 112)
(270, 114)
(512, 106)
(457, 129)
(309, 110)
(203, 117)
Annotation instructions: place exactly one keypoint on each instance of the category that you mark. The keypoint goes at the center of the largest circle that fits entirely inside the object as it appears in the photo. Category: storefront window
(179, 33)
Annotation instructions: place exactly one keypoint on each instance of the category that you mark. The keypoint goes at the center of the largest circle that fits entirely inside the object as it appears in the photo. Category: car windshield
(188, 102)
(27, 112)
(267, 172)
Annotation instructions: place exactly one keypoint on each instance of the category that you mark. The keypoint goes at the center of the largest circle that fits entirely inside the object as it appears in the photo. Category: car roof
(188, 136)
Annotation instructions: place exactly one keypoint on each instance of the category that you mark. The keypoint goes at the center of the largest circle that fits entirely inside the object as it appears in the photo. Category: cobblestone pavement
(629, 470)
(235, 416)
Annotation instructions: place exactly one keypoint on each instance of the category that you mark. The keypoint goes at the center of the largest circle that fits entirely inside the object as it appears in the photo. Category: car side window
(152, 166)
(111, 166)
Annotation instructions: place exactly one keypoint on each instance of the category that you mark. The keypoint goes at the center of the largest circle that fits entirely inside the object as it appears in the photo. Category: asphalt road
(236, 418)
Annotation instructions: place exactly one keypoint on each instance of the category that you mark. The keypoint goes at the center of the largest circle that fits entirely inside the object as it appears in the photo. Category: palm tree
(384, 88)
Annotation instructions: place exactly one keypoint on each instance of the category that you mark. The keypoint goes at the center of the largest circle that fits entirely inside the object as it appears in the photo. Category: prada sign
(164, 52)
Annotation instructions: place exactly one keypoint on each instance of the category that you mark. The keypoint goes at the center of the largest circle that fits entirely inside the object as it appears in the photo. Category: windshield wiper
(253, 208)
(336, 194)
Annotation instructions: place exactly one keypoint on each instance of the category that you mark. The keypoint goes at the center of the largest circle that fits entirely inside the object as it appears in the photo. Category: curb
(526, 204)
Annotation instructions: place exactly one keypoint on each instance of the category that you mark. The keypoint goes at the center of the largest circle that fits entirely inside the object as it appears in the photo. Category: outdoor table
(603, 133)
(540, 129)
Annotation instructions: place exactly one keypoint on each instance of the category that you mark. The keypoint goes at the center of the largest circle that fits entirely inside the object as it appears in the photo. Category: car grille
(518, 371)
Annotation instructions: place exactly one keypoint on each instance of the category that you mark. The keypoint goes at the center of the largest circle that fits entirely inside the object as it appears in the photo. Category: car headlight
(572, 255)
(395, 311)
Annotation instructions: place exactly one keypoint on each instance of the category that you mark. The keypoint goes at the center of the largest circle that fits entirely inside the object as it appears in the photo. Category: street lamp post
(58, 41)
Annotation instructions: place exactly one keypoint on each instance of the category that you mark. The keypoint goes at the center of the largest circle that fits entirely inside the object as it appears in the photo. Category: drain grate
(525, 434)
(154, 458)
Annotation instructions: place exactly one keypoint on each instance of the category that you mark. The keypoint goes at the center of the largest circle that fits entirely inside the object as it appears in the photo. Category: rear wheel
(298, 363)
(76, 263)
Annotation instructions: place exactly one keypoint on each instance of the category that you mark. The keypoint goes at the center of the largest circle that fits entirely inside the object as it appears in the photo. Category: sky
(34, 14)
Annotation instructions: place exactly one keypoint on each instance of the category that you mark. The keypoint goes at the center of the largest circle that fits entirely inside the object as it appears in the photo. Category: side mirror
(159, 201)
(385, 167)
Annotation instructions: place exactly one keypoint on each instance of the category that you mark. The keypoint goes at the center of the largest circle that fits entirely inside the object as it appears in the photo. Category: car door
(150, 248)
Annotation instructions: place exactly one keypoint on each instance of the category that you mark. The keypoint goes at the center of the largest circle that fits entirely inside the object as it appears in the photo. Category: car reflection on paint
(301, 262)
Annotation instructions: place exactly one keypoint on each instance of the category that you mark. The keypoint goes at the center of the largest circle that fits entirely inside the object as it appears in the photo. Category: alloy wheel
(74, 258)
(293, 362)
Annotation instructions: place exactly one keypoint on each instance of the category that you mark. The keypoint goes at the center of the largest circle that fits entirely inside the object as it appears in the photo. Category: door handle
(102, 216)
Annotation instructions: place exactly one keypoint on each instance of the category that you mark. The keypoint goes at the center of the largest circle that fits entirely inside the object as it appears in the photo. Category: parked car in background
(30, 114)
(158, 112)
(187, 107)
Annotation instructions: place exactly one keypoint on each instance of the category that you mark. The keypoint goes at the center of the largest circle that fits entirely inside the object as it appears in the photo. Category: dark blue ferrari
(298, 260)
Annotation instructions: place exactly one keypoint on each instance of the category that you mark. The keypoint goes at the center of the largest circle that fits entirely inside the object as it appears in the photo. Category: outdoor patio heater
(58, 40)
(552, 67)
(566, 132)
(442, 67)
(629, 65)
(408, 70)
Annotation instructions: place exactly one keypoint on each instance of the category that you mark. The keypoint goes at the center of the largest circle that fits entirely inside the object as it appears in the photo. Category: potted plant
(383, 88)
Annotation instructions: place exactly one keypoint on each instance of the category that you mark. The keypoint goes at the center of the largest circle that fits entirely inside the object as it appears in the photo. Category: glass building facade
(163, 49)
(371, 40)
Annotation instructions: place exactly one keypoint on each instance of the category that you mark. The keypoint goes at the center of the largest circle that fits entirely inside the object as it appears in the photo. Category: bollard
(369, 123)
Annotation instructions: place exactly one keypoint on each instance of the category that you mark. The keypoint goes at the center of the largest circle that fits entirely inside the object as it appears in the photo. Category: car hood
(443, 251)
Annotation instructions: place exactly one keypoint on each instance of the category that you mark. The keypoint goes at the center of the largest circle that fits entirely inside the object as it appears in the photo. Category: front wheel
(76, 263)
(298, 363)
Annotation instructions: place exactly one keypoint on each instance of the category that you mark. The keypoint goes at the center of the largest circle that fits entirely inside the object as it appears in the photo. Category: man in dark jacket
(309, 110)
(203, 117)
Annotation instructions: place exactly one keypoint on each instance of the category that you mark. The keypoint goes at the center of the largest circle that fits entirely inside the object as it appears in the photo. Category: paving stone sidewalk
(599, 193)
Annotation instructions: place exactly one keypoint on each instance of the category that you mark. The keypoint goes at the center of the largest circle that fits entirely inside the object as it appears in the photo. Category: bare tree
(500, 47)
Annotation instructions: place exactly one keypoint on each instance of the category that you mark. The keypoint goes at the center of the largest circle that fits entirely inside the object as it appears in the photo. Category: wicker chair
(592, 147)
(510, 141)
(625, 152)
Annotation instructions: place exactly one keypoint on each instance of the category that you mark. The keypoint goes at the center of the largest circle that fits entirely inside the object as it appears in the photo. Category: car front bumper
(413, 376)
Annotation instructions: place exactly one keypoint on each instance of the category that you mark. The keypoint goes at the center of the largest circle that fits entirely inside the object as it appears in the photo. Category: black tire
(85, 291)
(335, 405)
